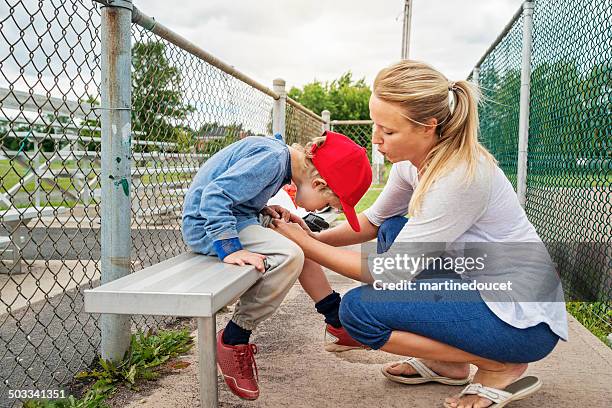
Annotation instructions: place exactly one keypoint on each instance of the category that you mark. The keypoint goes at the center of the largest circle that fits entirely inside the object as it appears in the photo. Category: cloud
(301, 40)
(297, 40)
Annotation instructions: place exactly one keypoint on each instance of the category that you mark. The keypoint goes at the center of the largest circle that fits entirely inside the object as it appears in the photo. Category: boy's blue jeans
(458, 318)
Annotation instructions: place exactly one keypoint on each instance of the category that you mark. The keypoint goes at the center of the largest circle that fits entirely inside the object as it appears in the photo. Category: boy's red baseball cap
(344, 165)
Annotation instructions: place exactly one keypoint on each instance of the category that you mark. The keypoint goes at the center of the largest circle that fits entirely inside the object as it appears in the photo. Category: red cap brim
(351, 216)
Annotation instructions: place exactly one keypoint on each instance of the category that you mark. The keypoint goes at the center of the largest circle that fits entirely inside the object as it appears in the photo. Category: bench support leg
(207, 356)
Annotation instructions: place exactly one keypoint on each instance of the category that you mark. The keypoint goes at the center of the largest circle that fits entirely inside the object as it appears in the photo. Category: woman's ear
(318, 183)
(430, 131)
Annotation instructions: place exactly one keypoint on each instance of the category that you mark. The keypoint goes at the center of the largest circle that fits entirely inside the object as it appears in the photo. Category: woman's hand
(244, 257)
(291, 230)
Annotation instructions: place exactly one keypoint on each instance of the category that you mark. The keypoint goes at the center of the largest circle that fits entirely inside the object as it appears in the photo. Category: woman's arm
(393, 200)
(343, 234)
(345, 262)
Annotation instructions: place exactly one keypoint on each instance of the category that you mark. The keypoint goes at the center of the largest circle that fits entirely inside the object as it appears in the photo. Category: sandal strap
(493, 394)
(471, 389)
(420, 367)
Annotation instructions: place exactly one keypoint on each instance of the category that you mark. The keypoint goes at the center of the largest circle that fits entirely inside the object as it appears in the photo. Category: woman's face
(397, 138)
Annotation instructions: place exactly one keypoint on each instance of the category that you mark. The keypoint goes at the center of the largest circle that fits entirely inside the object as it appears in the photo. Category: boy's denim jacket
(230, 190)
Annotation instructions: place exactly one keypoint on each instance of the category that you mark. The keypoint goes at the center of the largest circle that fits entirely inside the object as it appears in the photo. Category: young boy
(220, 217)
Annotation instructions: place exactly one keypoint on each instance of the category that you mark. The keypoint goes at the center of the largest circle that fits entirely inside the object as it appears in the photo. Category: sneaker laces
(246, 361)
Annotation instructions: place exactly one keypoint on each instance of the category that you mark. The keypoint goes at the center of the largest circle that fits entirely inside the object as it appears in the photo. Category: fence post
(116, 95)
(279, 108)
(521, 167)
(378, 164)
(476, 75)
(326, 115)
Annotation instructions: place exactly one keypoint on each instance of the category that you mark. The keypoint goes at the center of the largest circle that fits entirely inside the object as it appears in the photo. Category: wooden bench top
(190, 284)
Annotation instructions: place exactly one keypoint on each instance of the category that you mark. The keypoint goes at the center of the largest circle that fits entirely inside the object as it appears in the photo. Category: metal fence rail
(566, 122)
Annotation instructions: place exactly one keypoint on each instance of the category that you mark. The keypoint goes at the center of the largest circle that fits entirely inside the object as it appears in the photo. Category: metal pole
(279, 108)
(378, 163)
(476, 75)
(521, 176)
(406, 31)
(116, 95)
(207, 356)
(326, 115)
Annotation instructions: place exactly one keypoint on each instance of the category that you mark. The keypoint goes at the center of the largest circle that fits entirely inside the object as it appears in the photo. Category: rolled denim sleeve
(240, 183)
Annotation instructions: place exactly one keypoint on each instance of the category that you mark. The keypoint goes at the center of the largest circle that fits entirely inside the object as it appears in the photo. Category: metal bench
(189, 285)
(15, 221)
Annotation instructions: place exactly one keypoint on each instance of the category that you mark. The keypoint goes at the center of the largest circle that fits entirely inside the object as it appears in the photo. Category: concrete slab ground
(295, 371)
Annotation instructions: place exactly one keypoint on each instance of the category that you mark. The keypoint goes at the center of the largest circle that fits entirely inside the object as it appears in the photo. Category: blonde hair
(424, 93)
(309, 166)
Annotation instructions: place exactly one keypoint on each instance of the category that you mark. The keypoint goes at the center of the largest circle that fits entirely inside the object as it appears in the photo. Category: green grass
(366, 201)
(148, 351)
(592, 316)
(12, 172)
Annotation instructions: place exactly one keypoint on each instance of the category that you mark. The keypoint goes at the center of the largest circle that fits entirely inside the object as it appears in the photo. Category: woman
(453, 192)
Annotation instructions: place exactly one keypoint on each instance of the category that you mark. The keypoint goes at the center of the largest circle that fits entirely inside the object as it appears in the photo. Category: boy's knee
(294, 256)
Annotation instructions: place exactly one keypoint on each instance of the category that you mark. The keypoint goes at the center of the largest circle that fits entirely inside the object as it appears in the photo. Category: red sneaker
(236, 364)
(337, 340)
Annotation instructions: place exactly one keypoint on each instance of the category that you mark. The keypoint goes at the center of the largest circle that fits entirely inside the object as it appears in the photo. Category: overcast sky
(300, 40)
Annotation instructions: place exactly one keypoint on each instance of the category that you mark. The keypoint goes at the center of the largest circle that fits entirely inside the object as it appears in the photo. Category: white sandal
(518, 390)
(424, 374)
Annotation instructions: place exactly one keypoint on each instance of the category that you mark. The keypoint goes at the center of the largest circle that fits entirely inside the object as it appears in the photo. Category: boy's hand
(280, 213)
(244, 257)
(277, 212)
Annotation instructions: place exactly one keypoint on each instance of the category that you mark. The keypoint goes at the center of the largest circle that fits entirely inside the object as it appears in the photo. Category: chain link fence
(569, 154)
(49, 168)
(185, 108)
(302, 125)
(499, 77)
(570, 148)
(360, 131)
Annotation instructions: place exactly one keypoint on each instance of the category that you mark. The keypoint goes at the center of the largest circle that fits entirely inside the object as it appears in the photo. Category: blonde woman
(453, 192)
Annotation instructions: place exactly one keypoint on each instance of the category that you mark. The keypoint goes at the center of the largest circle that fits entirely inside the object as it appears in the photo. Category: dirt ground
(295, 371)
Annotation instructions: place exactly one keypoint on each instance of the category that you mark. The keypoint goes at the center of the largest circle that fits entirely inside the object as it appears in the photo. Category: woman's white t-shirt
(484, 210)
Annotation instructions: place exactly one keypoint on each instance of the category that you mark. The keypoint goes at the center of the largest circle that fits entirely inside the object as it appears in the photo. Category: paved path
(296, 372)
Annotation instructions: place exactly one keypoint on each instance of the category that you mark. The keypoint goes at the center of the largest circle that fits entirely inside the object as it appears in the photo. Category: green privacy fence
(567, 83)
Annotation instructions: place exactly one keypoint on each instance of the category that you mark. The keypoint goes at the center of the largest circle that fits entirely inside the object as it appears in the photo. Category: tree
(157, 96)
(345, 98)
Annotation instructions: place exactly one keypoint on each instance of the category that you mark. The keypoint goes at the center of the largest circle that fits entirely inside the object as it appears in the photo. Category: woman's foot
(442, 368)
(495, 379)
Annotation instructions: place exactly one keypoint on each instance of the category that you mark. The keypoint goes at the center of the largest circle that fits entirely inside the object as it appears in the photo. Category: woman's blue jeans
(458, 318)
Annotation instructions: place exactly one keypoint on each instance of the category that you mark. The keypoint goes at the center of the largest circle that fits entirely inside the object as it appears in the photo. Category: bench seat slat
(190, 284)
